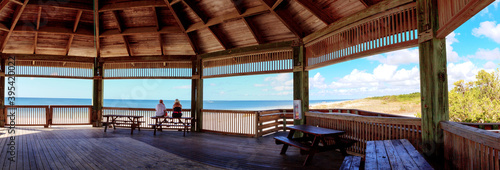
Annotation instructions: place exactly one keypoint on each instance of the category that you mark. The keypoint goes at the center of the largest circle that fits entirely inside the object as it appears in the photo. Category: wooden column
(300, 82)
(97, 97)
(197, 94)
(433, 80)
(2, 92)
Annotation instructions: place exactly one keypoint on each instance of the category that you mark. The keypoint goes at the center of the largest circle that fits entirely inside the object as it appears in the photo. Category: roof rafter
(53, 30)
(219, 37)
(37, 28)
(132, 4)
(70, 41)
(251, 28)
(118, 21)
(190, 4)
(97, 38)
(228, 17)
(182, 27)
(142, 30)
(62, 5)
(325, 18)
(285, 20)
(157, 23)
(366, 3)
(237, 6)
(17, 15)
(254, 31)
(77, 20)
(127, 45)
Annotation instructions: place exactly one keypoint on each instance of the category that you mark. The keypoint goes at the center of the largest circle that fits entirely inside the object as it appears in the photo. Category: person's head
(177, 101)
(161, 101)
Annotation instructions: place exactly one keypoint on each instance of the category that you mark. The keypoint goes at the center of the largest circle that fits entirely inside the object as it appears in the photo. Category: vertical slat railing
(467, 147)
(145, 112)
(28, 115)
(71, 115)
(232, 122)
(271, 121)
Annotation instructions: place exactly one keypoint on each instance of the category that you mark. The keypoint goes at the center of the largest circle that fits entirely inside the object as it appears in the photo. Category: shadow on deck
(86, 147)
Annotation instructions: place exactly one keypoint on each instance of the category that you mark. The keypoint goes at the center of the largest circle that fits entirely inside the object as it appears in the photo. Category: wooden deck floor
(91, 148)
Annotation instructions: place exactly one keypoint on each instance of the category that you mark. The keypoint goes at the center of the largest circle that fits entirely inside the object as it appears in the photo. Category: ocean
(207, 104)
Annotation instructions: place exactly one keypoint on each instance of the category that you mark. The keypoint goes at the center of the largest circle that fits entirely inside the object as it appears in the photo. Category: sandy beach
(374, 105)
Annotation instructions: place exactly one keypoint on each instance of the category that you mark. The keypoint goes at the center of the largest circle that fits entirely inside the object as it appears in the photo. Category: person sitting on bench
(160, 109)
(177, 113)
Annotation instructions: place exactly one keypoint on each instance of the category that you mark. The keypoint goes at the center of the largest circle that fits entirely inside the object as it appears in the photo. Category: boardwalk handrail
(367, 128)
(231, 122)
(482, 148)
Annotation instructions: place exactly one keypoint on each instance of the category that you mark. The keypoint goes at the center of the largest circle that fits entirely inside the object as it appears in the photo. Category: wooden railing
(146, 112)
(232, 122)
(70, 115)
(356, 112)
(271, 121)
(467, 147)
(27, 115)
(367, 128)
(453, 13)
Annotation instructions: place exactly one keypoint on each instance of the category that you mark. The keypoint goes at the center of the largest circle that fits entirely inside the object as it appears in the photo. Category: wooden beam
(190, 4)
(161, 43)
(143, 30)
(97, 28)
(251, 49)
(152, 58)
(132, 4)
(181, 26)
(3, 4)
(284, 19)
(17, 15)
(300, 84)
(54, 30)
(155, 16)
(2, 93)
(35, 43)
(197, 94)
(366, 3)
(69, 5)
(127, 45)
(345, 21)
(77, 20)
(219, 37)
(237, 6)
(70, 41)
(308, 5)
(253, 29)
(228, 17)
(51, 58)
(17, 2)
(471, 9)
(39, 18)
(118, 21)
(98, 94)
(433, 82)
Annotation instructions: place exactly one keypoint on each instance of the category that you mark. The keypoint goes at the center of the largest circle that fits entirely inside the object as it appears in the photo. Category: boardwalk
(91, 148)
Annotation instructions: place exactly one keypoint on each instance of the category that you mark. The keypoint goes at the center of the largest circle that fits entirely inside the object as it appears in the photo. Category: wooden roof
(161, 27)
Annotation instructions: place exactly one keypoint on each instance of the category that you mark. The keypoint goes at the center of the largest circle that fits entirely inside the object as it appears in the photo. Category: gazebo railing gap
(392, 30)
(56, 69)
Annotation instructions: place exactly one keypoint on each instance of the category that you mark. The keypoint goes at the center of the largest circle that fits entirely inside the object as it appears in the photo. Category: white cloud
(488, 29)
(318, 81)
(260, 85)
(282, 83)
(490, 65)
(183, 87)
(212, 84)
(222, 92)
(405, 56)
(451, 56)
(495, 4)
(464, 71)
(486, 54)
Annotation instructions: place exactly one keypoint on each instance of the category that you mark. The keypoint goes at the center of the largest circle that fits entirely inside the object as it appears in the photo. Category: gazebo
(202, 39)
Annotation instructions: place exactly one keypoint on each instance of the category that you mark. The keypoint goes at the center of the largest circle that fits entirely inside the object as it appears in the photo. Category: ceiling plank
(237, 6)
(251, 28)
(127, 45)
(366, 3)
(17, 15)
(54, 30)
(70, 42)
(118, 21)
(77, 20)
(155, 16)
(190, 4)
(62, 5)
(3, 4)
(97, 28)
(256, 34)
(219, 37)
(17, 2)
(250, 49)
(325, 18)
(52, 58)
(182, 27)
(142, 30)
(132, 4)
(151, 58)
(287, 22)
(228, 17)
(372, 10)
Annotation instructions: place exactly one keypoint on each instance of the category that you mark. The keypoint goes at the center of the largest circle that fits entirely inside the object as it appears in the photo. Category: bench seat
(285, 140)
(351, 163)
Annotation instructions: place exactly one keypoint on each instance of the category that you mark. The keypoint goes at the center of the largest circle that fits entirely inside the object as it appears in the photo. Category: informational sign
(297, 109)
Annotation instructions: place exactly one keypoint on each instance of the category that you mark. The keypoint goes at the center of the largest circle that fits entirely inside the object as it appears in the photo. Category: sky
(472, 47)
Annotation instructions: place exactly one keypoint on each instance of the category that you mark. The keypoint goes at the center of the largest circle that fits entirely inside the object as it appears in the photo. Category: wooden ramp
(91, 148)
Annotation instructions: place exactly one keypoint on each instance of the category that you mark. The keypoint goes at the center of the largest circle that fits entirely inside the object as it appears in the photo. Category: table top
(393, 154)
(160, 117)
(315, 130)
(133, 116)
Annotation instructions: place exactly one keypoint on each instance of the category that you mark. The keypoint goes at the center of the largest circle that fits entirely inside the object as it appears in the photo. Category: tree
(477, 101)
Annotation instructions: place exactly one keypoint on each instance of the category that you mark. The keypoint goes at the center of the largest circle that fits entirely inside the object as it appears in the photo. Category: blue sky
(472, 47)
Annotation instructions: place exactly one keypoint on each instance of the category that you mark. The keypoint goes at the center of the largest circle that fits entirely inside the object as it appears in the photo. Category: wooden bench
(285, 140)
(351, 163)
(185, 127)
(114, 120)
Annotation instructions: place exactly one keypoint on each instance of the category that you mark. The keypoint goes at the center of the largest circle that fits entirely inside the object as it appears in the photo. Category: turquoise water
(208, 104)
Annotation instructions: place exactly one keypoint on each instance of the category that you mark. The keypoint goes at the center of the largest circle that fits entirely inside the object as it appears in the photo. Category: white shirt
(160, 109)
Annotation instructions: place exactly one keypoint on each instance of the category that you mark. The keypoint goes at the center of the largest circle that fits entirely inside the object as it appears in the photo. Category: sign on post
(297, 109)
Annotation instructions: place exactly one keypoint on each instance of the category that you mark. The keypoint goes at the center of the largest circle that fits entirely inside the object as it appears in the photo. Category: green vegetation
(400, 98)
(477, 101)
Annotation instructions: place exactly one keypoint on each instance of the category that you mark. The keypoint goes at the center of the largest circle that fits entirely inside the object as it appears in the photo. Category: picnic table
(393, 154)
(131, 120)
(183, 122)
(309, 144)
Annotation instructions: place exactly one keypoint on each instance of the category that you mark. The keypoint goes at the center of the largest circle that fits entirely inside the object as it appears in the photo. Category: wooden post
(300, 82)
(2, 92)
(433, 80)
(197, 94)
(97, 97)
